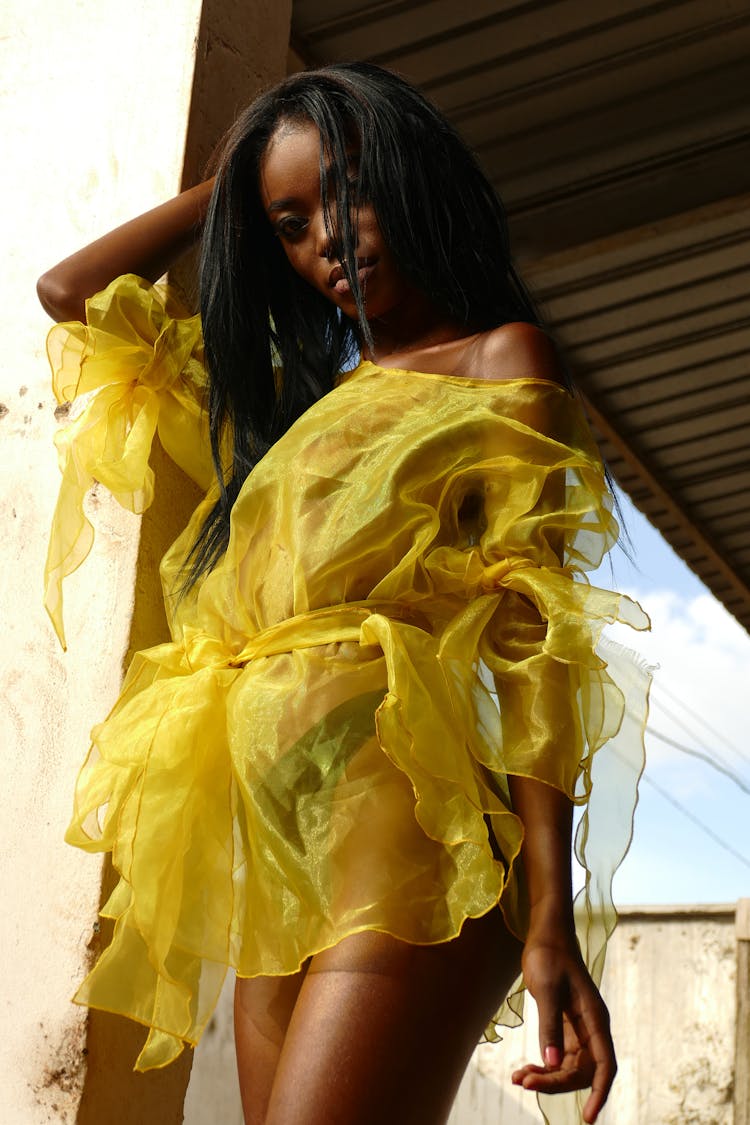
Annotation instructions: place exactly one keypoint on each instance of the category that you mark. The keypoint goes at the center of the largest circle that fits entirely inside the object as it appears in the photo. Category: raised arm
(146, 246)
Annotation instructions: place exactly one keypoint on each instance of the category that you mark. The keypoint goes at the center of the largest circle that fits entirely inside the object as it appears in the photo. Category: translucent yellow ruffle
(401, 620)
(136, 368)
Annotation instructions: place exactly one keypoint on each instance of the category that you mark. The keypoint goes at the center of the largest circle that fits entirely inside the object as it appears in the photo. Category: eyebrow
(291, 201)
(281, 204)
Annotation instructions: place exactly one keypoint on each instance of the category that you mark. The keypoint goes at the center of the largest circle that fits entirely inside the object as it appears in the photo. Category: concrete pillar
(742, 1026)
(243, 49)
(93, 107)
(95, 100)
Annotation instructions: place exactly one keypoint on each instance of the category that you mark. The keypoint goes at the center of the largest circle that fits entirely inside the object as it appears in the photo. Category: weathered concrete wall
(94, 100)
(243, 48)
(669, 983)
(94, 109)
(742, 1017)
(670, 986)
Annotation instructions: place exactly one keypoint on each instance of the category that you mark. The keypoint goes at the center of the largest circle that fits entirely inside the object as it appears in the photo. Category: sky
(698, 699)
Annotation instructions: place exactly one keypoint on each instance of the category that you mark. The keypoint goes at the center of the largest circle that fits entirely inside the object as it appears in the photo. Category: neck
(413, 330)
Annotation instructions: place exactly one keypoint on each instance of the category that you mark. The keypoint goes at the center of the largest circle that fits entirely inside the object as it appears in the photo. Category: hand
(574, 1032)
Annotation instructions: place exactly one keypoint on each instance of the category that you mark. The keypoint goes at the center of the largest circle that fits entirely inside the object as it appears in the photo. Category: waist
(305, 630)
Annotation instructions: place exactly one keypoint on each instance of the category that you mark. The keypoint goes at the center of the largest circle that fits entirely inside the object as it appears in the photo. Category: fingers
(550, 1005)
(592, 1107)
(605, 1069)
(518, 1076)
(587, 1059)
(593, 1027)
(560, 1081)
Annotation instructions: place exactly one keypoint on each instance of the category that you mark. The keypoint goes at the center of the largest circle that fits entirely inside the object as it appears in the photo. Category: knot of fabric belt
(304, 630)
(468, 573)
(494, 574)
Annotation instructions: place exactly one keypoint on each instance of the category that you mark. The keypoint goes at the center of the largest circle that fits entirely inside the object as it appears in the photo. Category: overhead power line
(709, 759)
(689, 728)
(698, 718)
(690, 816)
(696, 820)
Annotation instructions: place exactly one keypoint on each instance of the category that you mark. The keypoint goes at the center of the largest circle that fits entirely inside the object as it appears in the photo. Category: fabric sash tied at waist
(162, 760)
(331, 624)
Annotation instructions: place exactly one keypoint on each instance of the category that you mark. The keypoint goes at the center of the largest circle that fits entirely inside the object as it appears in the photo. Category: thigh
(263, 1007)
(383, 1030)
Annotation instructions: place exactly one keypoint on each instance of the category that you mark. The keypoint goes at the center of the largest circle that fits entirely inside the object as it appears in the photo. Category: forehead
(290, 165)
(291, 160)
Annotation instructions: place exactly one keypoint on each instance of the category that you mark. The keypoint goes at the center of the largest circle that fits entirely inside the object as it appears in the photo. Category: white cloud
(703, 658)
(704, 665)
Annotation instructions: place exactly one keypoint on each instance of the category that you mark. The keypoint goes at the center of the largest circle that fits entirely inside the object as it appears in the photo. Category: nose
(325, 243)
(326, 247)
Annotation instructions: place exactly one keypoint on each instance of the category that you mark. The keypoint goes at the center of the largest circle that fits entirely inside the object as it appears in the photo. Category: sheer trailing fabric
(135, 368)
(402, 619)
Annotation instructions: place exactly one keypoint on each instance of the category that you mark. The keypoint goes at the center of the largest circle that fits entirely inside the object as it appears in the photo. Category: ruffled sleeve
(572, 704)
(552, 516)
(136, 368)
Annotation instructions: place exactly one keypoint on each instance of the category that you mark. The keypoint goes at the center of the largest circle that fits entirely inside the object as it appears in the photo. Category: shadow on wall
(240, 50)
(113, 1093)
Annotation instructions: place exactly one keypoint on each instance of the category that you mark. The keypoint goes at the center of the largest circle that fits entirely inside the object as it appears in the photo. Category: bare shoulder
(514, 351)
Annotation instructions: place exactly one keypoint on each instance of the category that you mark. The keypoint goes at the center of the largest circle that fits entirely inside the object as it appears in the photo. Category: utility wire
(646, 777)
(661, 687)
(696, 821)
(704, 757)
(689, 728)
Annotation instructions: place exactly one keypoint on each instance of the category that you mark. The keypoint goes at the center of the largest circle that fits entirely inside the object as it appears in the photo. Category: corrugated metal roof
(619, 138)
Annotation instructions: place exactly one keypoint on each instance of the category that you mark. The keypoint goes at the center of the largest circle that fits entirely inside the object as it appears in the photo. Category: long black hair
(273, 344)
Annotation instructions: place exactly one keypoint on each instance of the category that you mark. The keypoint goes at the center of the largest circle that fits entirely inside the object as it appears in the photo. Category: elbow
(60, 301)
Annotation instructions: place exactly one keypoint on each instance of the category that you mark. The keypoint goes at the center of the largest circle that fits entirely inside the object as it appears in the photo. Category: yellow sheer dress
(401, 619)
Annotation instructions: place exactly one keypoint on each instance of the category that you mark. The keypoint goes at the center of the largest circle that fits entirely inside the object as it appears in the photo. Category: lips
(337, 278)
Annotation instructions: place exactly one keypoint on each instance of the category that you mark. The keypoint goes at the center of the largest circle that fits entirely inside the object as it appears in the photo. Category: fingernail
(552, 1057)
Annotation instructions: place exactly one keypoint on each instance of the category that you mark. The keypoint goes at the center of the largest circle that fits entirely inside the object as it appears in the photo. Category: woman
(312, 783)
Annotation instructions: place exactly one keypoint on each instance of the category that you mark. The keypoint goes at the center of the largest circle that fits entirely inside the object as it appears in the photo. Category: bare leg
(383, 1031)
(263, 1007)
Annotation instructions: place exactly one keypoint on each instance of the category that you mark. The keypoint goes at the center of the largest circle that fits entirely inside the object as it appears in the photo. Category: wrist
(201, 197)
(551, 916)
(548, 945)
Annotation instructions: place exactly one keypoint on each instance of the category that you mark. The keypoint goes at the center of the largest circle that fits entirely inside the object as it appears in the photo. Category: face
(291, 193)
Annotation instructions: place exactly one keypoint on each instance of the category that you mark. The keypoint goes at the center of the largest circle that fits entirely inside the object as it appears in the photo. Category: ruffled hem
(216, 873)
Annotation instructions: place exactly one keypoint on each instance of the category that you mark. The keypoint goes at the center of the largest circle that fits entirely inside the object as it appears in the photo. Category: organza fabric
(401, 620)
(135, 367)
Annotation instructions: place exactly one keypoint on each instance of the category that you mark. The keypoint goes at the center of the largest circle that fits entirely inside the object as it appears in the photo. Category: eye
(290, 226)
